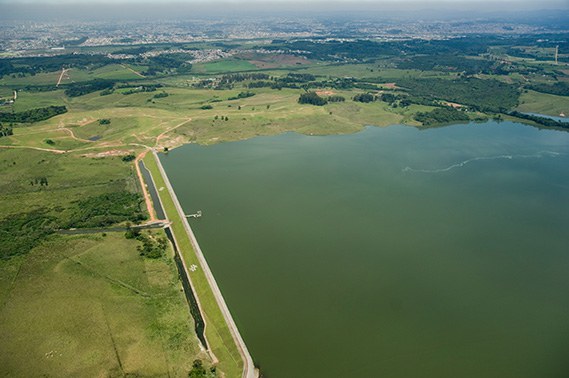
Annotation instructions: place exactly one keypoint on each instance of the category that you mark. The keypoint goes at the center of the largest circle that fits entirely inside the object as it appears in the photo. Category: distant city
(34, 38)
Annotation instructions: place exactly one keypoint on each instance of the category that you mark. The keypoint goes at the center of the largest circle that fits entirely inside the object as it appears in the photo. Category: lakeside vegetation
(441, 116)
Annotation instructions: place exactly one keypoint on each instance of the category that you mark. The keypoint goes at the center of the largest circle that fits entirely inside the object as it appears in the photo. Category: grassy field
(129, 316)
(139, 119)
(91, 306)
(535, 102)
(222, 66)
(109, 72)
(71, 178)
(217, 333)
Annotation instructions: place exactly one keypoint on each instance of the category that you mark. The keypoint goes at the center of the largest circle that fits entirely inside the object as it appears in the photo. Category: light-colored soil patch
(453, 104)
(389, 85)
(107, 153)
(325, 93)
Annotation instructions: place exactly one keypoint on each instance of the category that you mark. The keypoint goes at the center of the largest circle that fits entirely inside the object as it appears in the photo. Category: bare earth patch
(108, 153)
(452, 104)
(325, 93)
(389, 85)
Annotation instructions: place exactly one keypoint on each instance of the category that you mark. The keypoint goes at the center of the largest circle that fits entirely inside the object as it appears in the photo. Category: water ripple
(538, 155)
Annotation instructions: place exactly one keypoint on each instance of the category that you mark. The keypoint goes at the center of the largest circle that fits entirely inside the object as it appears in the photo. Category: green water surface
(394, 252)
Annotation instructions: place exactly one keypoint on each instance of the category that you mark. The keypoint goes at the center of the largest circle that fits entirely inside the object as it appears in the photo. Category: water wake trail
(537, 155)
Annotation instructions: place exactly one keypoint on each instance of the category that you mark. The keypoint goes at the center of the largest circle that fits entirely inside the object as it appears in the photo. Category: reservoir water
(393, 252)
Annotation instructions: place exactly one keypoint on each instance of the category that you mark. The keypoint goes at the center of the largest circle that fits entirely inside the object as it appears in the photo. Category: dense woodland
(80, 89)
(361, 50)
(312, 98)
(32, 115)
(481, 95)
(441, 116)
(540, 120)
(559, 88)
(453, 63)
(106, 210)
(22, 232)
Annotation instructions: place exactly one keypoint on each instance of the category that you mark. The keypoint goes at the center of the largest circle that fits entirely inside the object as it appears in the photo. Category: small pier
(198, 214)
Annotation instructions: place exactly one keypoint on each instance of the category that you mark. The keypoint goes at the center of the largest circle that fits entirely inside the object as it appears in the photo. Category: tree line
(32, 115)
(440, 116)
(540, 120)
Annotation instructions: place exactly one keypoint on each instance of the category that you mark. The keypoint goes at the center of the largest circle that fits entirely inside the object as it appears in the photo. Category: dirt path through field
(161, 135)
(145, 193)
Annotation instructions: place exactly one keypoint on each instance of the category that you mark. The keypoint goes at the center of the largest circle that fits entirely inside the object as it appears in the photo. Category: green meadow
(92, 306)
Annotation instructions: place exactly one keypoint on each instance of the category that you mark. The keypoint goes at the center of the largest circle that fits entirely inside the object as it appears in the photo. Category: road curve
(248, 366)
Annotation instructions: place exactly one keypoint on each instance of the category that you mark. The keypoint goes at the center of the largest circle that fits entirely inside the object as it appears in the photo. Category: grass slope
(91, 306)
(217, 333)
(535, 102)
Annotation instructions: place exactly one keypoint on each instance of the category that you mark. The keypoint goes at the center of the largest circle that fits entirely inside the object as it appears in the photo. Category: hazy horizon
(144, 9)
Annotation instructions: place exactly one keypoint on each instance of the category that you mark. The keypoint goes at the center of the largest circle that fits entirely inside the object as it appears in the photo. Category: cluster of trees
(559, 88)
(336, 98)
(360, 50)
(452, 63)
(441, 116)
(297, 78)
(540, 120)
(21, 232)
(127, 158)
(392, 99)
(242, 95)
(41, 181)
(291, 80)
(104, 121)
(260, 84)
(150, 246)
(312, 98)
(32, 115)
(141, 88)
(106, 209)
(240, 77)
(161, 95)
(80, 89)
(482, 95)
(337, 50)
(6, 131)
(167, 63)
(364, 97)
(199, 371)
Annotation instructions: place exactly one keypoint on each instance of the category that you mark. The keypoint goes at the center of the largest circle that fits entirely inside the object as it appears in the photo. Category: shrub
(312, 98)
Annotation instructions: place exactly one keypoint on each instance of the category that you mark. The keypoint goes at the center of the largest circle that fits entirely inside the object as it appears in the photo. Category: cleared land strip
(222, 333)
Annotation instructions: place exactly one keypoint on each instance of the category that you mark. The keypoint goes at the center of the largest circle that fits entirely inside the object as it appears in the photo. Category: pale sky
(534, 3)
(10, 8)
